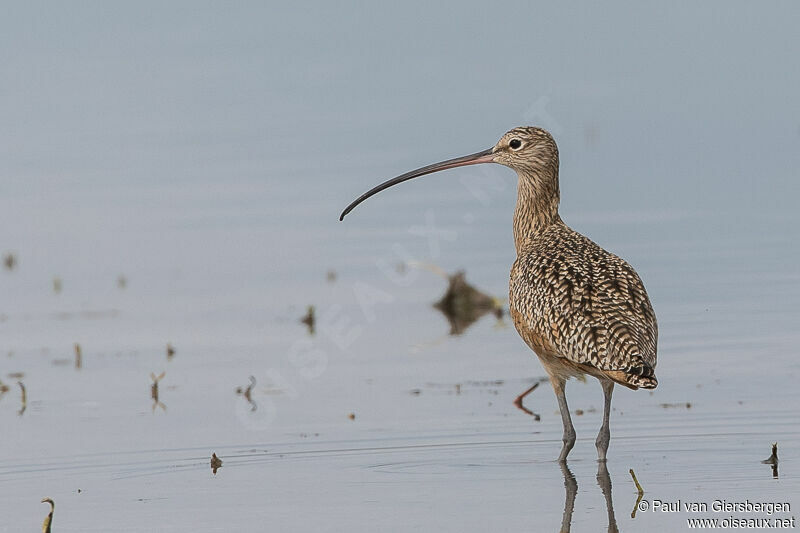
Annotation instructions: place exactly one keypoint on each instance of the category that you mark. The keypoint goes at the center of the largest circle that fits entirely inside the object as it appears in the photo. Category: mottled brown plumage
(570, 299)
(580, 308)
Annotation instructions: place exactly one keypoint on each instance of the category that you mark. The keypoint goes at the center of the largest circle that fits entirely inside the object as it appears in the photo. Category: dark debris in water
(247, 392)
(310, 319)
(491, 387)
(773, 460)
(686, 405)
(89, 315)
(9, 261)
(154, 391)
(463, 304)
(216, 463)
(23, 399)
(482, 387)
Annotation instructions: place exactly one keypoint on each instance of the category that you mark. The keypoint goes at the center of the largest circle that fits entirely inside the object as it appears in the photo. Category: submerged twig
(636, 482)
(641, 493)
(23, 399)
(48, 520)
(154, 391)
(248, 393)
(518, 402)
(773, 460)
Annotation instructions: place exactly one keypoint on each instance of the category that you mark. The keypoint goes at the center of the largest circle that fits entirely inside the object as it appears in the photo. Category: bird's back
(574, 302)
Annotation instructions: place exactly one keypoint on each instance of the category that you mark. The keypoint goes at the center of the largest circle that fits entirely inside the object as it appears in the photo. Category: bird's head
(526, 149)
(530, 151)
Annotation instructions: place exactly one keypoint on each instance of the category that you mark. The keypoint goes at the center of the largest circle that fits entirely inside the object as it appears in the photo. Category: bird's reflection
(604, 480)
(571, 488)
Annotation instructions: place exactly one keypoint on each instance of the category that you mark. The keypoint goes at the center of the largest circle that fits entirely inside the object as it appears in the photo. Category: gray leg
(604, 436)
(569, 431)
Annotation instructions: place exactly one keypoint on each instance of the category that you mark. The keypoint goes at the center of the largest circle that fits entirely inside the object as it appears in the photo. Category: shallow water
(436, 442)
(204, 153)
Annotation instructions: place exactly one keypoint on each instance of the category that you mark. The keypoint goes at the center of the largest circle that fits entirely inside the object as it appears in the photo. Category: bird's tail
(644, 382)
(641, 375)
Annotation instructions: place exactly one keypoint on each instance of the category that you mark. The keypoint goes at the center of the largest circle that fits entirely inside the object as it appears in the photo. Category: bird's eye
(515, 144)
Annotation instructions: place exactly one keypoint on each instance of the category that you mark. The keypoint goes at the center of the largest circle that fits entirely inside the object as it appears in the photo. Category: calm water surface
(204, 153)
(436, 442)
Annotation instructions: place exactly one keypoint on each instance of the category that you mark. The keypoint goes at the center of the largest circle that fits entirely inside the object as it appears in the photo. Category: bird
(581, 309)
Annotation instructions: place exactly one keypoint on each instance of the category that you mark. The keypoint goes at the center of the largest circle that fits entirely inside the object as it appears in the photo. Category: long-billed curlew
(582, 309)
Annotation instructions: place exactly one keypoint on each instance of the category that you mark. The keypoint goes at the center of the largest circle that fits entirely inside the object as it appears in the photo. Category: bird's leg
(569, 432)
(604, 436)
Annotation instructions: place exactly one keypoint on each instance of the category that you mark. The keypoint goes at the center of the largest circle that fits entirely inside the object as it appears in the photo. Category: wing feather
(584, 303)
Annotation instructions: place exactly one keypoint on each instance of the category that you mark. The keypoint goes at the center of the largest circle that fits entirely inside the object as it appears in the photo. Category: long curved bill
(486, 156)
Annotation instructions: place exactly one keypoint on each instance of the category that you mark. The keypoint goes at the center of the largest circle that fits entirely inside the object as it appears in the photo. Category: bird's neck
(537, 205)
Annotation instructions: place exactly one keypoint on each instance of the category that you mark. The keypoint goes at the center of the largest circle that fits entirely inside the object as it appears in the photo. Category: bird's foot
(569, 442)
